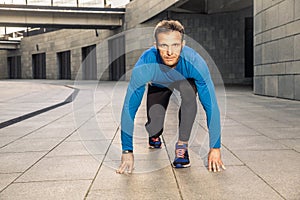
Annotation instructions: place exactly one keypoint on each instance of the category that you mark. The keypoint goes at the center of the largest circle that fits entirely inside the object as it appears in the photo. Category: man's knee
(187, 89)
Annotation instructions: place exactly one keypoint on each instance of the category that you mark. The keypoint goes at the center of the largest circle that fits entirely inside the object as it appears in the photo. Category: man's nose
(169, 50)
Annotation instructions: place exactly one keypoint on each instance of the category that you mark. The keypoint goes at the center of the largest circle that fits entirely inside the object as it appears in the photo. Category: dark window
(14, 67)
(116, 58)
(39, 66)
(89, 63)
(249, 47)
(64, 64)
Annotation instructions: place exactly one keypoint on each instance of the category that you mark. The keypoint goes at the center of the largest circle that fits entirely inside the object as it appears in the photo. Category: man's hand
(214, 160)
(127, 162)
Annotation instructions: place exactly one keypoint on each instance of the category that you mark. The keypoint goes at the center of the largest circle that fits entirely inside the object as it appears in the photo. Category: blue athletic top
(150, 69)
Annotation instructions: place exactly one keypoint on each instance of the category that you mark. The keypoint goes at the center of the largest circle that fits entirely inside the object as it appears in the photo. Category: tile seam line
(100, 166)
(268, 7)
(260, 132)
(68, 100)
(173, 170)
(39, 127)
(74, 131)
(29, 133)
(222, 145)
(261, 178)
(250, 167)
(278, 26)
(22, 173)
(53, 180)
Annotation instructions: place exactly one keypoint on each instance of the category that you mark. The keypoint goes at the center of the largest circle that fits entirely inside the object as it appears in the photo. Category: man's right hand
(127, 162)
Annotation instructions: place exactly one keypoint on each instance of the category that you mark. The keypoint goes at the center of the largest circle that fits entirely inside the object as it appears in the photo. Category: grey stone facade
(138, 11)
(277, 47)
(221, 35)
(55, 42)
(3, 65)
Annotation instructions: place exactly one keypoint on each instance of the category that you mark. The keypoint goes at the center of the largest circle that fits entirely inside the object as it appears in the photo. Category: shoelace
(180, 153)
(155, 139)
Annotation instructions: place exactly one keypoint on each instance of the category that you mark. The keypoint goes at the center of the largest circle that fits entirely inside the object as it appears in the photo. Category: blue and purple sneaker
(154, 142)
(181, 156)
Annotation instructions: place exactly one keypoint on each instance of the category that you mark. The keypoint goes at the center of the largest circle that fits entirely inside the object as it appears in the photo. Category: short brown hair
(167, 26)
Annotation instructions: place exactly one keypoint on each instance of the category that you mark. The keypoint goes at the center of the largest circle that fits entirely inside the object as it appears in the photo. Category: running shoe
(154, 142)
(181, 156)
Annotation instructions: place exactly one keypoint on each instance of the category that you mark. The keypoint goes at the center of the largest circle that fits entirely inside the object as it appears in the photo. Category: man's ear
(183, 43)
(155, 44)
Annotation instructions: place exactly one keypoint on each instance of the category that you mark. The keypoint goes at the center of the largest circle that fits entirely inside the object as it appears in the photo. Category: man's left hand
(214, 160)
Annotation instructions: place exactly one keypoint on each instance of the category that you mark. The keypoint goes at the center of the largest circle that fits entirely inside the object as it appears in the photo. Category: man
(170, 65)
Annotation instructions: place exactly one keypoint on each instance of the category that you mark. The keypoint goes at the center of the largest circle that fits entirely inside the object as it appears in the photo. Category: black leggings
(157, 103)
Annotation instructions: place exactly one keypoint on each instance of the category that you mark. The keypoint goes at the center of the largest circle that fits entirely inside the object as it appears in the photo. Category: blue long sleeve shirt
(150, 69)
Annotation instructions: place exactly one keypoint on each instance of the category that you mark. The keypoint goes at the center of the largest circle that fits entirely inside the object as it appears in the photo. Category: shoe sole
(181, 166)
(153, 147)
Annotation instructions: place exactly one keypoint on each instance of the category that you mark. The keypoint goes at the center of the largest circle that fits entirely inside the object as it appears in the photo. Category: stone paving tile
(251, 143)
(31, 101)
(36, 123)
(69, 148)
(4, 140)
(228, 122)
(198, 157)
(242, 116)
(256, 133)
(279, 168)
(141, 153)
(6, 179)
(135, 194)
(281, 133)
(51, 132)
(19, 129)
(47, 190)
(238, 130)
(266, 123)
(140, 165)
(158, 184)
(61, 123)
(92, 134)
(292, 143)
(30, 145)
(62, 168)
(18, 162)
(237, 182)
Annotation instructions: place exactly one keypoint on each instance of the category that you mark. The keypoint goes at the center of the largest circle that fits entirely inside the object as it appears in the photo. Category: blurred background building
(252, 42)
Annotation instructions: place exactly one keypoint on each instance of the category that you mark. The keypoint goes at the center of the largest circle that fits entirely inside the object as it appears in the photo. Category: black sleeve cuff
(127, 151)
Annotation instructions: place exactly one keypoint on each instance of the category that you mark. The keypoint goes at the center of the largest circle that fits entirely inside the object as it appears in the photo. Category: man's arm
(208, 100)
(132, 102)
(207, 97)
(133, 98)
(141, 74)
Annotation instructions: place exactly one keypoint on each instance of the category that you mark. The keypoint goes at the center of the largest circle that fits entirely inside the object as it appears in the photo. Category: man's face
(169, 45)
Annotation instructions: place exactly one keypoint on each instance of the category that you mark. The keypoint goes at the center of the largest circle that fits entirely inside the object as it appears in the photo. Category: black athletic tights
(157, 103)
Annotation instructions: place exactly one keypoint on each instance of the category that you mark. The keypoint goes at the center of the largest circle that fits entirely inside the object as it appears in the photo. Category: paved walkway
(52, 148)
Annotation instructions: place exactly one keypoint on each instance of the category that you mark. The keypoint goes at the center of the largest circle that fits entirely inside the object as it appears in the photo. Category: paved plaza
(61, 140)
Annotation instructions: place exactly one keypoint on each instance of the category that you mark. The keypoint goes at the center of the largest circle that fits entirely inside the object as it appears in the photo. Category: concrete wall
(221, 35)
(3, 65)
(58, 41)
(139, 11)
(277, 48)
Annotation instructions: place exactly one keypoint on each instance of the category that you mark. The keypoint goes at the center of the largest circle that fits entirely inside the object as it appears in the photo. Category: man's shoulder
(149, 56)
(188, 51)
(150, 53)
